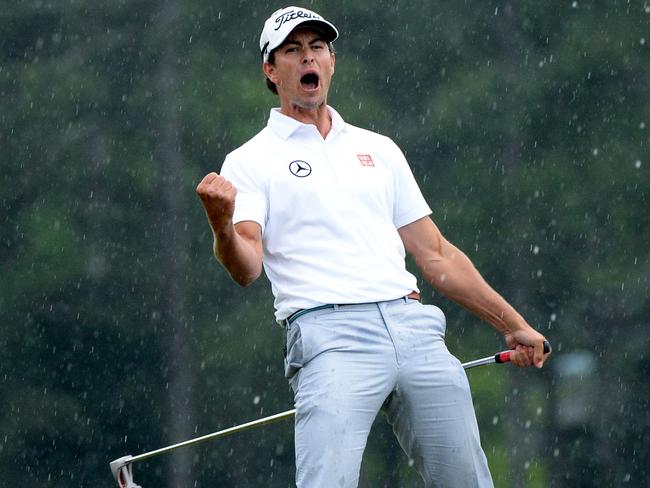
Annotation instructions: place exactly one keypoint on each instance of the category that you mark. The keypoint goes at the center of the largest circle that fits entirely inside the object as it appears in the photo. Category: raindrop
(256, 400)
(637, 164)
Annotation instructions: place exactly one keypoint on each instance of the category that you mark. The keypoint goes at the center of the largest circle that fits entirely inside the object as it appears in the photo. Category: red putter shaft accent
(502, 357)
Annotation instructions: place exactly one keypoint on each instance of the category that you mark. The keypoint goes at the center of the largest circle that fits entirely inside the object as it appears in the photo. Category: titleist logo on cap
(293, 15)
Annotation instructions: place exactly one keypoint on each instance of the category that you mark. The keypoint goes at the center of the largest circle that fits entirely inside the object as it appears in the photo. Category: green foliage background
(526, 123)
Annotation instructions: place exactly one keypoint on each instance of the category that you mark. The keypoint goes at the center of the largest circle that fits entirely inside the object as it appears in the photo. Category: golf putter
(122, 468)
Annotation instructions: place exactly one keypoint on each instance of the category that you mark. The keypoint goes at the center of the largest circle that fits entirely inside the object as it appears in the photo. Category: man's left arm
(452, 273)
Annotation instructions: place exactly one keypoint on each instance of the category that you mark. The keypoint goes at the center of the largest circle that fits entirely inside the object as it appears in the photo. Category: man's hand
(238, 247)
(217, 195)
(527, 346)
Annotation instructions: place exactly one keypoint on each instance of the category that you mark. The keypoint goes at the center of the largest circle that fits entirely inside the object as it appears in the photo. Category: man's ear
(269, 72)
(333, 57)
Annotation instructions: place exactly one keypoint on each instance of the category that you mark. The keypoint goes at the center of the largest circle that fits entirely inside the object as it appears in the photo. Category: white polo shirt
(329, 211)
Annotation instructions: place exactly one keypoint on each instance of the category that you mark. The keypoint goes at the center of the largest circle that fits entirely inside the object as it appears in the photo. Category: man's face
(303, 69)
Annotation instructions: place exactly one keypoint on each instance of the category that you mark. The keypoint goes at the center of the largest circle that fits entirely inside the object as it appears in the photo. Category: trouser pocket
(293, 352)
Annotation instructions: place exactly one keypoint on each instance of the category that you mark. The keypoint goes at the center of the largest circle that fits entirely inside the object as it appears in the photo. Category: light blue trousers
(348, 362)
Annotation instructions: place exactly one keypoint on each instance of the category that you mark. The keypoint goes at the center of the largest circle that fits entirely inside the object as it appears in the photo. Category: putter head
(122, 470)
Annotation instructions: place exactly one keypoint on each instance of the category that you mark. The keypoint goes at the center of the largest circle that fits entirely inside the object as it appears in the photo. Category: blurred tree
(526, 125)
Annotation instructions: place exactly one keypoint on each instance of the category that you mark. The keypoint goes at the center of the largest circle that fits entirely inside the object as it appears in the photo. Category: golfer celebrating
(329, 210)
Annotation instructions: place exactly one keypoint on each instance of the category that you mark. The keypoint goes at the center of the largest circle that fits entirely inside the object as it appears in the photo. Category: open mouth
(309, 81)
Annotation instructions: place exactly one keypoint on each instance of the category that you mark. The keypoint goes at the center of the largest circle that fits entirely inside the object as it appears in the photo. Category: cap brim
(325, 27)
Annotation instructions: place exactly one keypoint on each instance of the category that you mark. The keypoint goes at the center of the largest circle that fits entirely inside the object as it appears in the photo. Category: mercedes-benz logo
(300, 168)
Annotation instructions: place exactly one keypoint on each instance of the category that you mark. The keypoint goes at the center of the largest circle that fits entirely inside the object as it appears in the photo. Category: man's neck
(320, 117)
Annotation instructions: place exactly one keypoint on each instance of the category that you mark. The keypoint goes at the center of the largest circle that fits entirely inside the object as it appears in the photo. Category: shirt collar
(284, 126)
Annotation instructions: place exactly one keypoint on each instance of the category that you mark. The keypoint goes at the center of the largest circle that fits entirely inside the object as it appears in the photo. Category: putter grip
(504, 357)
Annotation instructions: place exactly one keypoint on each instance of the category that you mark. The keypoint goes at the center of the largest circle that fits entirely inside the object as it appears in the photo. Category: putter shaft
(502, 358)
(222, 433)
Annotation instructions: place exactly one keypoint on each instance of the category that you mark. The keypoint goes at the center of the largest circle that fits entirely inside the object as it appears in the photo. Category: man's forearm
(237, 255)
(453, 274)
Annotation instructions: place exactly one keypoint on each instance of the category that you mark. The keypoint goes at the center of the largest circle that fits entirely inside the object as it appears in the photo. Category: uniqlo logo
(366, 159)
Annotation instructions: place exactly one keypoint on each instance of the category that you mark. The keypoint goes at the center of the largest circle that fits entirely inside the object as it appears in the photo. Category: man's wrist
(223, 231)
(514, 324)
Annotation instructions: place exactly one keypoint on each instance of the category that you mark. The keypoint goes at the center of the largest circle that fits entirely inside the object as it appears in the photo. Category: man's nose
(309, 56)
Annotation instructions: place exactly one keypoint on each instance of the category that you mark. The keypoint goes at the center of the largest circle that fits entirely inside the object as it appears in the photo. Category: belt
(414, 295)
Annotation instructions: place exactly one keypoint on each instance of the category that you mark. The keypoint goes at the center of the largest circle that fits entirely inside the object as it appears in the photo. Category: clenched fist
(217, 195)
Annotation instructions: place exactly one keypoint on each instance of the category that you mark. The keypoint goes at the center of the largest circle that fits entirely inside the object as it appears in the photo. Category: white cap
(279, 25)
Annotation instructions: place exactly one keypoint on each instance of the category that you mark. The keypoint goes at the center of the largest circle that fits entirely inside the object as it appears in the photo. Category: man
(329, 210)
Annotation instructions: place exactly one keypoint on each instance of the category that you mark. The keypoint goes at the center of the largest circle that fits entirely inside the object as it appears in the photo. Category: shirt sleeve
(251, 202)
(409, 204)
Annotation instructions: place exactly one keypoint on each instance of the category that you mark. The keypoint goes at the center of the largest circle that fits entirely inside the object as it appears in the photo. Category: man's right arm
(237, 246)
